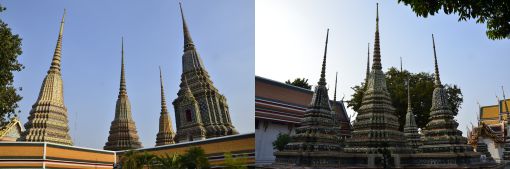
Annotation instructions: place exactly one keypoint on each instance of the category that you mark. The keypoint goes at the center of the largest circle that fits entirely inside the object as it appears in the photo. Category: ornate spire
(377, 49)
(123, 133)
(166, 134)
(122, 89)
(437, 80)
(318, 131)
(322, 80)
(188, 42)
(410, 128)
(48, 121)
(336, 79)
(55, 63)
(163, 100)
(442, 128)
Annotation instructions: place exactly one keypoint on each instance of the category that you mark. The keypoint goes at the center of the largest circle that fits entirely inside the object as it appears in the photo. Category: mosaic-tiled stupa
(317, 134)
(376, 126)
(48, 121)
(123, 134)
(207, 109)
(165, 134)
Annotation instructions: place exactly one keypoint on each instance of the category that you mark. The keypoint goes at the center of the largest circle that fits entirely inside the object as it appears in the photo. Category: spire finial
(122, 72)
(188, 42)
(336, 78)
(322, 80)
(368, 64)
(437, 80)
(163, 100)
(377, 17)
(377, 49)
(409, 108)
(506, 105)
(55, 63)
(401, 64)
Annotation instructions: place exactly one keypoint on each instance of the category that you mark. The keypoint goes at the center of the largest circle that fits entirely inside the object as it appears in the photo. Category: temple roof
(13, 123)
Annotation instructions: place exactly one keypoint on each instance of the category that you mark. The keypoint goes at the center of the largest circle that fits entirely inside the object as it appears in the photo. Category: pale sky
(223, 32)
(290, 37)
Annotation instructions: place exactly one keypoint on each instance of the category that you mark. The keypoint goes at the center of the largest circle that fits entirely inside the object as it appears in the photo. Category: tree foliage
(281, 141)
(421, 89)
(232, 162)
(300, 82)
(495, 13)
(194, 158)
(10, 49)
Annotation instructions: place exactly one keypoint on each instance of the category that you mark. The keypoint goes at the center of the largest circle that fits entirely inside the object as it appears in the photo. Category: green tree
(495, 13)
(300, 82)
(169, 161)
(195, 158)
(422, 87)
(234, 163)
(147, 159)
(130, 160)
(281, 141)
(10, 49)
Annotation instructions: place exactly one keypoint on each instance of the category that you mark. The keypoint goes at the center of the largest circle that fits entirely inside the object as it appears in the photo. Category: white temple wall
(266, 132)
(495, 149)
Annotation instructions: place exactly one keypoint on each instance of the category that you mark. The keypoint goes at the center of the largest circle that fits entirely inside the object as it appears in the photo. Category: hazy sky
(223, 32)
(290, 38)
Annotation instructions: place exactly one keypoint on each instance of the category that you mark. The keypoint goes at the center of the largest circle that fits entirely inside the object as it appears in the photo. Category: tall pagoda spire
(441, 134)
(317, 131)
(48, 121)
(376, 123)
(214, 112)
(166, 134)
(410, 128)
(123, 134)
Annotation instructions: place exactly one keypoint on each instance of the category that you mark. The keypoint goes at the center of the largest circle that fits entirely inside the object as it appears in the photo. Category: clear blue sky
(223, 31)
(290, 38)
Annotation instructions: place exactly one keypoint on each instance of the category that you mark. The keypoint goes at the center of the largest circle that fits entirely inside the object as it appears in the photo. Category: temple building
(48, 121)
(491, 136)
(123, 134)
(12, 130)
(200, 110)
(166, 133)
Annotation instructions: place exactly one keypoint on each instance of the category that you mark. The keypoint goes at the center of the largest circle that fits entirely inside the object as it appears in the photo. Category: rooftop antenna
(499, 108)
(401, 64)
(336, 78)
(479, 112)
(504, 100)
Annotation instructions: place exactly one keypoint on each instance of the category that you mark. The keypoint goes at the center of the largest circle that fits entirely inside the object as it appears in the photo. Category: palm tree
(129, 160)
(195, 158)
(234, 163)
(146, 159)
(169, 161)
